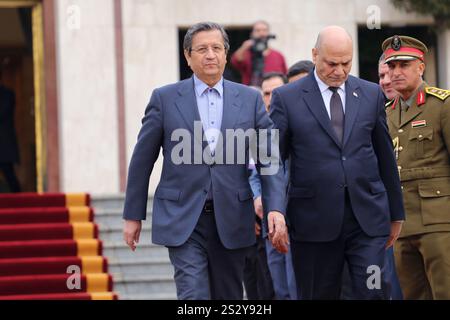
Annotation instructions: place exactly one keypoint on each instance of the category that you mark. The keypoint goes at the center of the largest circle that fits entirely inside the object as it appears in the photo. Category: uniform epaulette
(437, 92)
(390, 102)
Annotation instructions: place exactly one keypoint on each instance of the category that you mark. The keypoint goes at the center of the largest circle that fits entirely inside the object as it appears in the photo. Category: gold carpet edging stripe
(83, 230)
(79, 214)
(92, 264)
(97, 282)
(76, 199)
(87, 247)
(102, 296)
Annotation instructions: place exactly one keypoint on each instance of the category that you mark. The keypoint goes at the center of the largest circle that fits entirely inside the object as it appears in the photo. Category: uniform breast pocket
(421, 139)
(435, 200)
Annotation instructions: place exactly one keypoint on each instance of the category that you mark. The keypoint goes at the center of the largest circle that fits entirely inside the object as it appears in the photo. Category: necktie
(403, 109)
(337, 114)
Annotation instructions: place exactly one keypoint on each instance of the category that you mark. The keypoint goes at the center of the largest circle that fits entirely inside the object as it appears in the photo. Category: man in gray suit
(203, 208)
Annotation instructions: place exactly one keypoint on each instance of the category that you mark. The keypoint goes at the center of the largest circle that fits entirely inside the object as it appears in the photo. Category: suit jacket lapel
(231, 106)
(352, 100)
(187, 105)
(314, 101)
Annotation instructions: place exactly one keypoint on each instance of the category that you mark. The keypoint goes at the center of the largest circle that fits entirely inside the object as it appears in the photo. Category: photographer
(255, 57)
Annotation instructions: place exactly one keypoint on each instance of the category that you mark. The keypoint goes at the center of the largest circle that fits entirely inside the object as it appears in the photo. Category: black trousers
(8, 171)
(318, 266)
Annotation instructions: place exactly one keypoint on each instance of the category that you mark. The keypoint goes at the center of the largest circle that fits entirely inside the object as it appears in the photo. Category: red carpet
(49, 249)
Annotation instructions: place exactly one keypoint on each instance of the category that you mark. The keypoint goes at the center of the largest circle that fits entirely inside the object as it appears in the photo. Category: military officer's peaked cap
(403, 48)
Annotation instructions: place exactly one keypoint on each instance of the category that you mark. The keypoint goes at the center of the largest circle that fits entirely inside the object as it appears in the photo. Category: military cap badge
(396, 43)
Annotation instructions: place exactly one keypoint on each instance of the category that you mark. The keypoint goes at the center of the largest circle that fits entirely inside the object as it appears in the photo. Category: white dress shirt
(327, 93)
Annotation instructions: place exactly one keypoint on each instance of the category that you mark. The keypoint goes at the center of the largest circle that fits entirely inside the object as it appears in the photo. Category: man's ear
(314, 54)
(187, 55)
(422, 68)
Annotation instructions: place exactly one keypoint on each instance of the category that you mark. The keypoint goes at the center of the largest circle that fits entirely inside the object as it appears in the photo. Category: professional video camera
(260, 44)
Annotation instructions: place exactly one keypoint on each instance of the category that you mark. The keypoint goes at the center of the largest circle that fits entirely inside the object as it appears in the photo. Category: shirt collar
(410, 100)
(323, 86)
(200, 86)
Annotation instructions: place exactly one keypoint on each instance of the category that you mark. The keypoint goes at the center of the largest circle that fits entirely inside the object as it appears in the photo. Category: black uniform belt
(424, 173)
(208, 207)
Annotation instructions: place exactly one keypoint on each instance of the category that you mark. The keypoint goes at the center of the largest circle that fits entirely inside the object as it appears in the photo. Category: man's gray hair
(204, 26)
(382, 57)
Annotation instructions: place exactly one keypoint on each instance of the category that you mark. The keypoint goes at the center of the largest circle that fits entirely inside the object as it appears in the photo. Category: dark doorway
(236, 35)
(16, 61)
(369, 48)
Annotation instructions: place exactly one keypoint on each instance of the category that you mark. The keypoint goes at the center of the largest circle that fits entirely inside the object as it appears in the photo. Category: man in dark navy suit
(344, 198)
(9, 151)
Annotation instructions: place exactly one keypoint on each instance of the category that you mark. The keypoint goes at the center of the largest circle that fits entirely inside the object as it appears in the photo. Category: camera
(260, 44)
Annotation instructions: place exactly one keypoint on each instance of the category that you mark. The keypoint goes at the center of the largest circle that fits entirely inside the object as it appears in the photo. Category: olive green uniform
(420, 129)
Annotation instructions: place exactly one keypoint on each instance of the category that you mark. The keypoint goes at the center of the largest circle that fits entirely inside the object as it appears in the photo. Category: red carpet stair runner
(49, 249)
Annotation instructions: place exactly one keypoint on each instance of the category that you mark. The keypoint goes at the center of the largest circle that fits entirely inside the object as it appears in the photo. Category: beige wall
(87, 98)
(86, 64)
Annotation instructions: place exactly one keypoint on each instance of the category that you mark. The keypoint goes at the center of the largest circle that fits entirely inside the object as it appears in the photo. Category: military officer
(419, 123)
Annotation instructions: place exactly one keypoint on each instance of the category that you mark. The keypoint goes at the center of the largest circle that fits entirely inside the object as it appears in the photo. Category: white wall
(87, 98)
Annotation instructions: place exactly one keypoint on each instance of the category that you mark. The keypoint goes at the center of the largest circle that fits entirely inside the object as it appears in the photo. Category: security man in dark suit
(419, 124)
(9, 151)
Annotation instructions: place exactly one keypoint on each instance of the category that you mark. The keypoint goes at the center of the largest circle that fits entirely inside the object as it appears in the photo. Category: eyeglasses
(204, 49)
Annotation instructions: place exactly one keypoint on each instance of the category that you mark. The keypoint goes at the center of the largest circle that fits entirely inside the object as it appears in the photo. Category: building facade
(103, 58)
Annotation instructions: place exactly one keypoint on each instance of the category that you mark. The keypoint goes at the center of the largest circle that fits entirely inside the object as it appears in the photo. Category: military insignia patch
(396, 143)
(396, 43)
(419, 123)
(438, 93)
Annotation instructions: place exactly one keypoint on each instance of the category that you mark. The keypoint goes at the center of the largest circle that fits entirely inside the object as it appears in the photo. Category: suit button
(400, 131)
(400, 148)
(402, 187)
(344, 158)
(420, 136)
(399, 168)
(438, 192)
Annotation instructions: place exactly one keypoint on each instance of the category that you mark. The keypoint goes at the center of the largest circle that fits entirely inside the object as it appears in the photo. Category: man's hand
(278, 234)
(258, 207)
(257, 229)
(131, 233)
(239, 53)
(396, 227)
(247, 44)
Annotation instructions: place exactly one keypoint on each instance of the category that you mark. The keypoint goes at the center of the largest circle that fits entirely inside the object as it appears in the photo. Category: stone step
(113, 201)
(160, 267)
(115, 233)
(120, 252)
(144, 285)
(113, 217)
